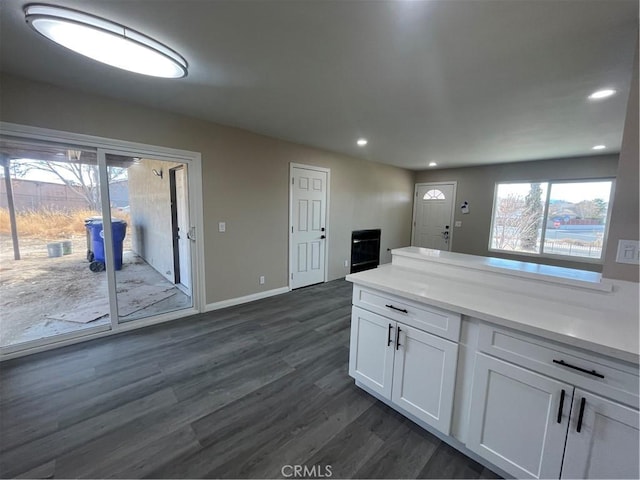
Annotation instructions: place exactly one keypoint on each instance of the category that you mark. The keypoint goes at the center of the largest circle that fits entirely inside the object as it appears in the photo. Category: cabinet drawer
(426, 318)
(609, 378)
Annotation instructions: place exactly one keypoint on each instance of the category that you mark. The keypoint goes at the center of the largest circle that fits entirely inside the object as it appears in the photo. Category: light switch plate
(628, 252)
(222, 226)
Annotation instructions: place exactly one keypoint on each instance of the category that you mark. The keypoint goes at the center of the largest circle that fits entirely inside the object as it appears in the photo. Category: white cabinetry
(424, 374)
(514, 421)
(521, 420)
(606, 444)
(402, 362)
(546, 384)
(371, 352)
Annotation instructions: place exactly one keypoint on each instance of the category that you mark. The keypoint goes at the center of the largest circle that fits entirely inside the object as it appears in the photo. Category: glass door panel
(49, 197)
(150, 226)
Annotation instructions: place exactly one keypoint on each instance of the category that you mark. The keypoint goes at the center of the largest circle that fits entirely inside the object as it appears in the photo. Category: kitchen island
(531, 369)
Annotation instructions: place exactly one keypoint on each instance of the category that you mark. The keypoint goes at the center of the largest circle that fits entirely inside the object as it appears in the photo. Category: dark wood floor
(236, 393)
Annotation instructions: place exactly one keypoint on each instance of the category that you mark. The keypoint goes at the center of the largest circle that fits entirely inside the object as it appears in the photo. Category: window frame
(545, 216)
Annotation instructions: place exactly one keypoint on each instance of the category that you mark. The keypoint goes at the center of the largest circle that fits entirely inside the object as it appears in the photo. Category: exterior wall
(476, 185)
(626, 210)
(245, 183)
(150, 214)
(36, 195)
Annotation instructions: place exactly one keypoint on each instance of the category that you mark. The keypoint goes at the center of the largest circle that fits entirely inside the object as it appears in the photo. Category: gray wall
(150, 214)
(476, 186)
(626, 212)
(245, 182)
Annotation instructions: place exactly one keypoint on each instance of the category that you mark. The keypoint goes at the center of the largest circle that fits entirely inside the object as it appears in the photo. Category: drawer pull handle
(397, 309)
(389, 335)
(561, 406)
(398, 338)
(583, 370)
(582, 404)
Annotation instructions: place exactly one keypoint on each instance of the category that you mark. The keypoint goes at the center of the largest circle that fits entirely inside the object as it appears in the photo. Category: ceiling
(460, 83)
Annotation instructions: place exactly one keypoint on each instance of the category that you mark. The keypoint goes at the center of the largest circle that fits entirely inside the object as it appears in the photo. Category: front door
(307, 247)
(433, 215)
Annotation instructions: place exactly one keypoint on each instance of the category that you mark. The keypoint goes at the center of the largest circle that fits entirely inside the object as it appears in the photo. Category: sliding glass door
(49, 194)
(90, 240)
(149, 204)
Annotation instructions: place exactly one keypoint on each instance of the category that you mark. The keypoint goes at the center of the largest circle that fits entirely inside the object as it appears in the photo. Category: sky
(41, 176)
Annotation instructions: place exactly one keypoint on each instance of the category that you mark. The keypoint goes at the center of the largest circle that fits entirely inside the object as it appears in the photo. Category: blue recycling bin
(119, 230)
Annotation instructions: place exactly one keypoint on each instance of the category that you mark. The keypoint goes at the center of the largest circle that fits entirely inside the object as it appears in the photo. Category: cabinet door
(371, 350)
(424, 376)
(606, 445)
(513, 418)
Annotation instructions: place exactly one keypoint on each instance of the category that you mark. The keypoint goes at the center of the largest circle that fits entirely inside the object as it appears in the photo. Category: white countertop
(548, 273)
(599, 321)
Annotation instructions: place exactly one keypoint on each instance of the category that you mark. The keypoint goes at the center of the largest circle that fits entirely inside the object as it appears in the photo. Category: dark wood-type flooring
(235, 393)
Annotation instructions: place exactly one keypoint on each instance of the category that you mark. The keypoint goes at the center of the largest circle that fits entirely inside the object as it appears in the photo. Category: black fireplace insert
(365, 249)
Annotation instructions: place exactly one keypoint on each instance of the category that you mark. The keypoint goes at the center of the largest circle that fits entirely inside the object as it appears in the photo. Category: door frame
(176, 205)
(453, 208)
(183, 211)
(293, 165)
(174, 225)
(105, 146)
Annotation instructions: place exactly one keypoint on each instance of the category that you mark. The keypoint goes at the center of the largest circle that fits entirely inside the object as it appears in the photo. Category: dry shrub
(49, 224)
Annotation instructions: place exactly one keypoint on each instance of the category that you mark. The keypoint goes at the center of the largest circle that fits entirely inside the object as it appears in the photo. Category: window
(555, 218)
(434, 195)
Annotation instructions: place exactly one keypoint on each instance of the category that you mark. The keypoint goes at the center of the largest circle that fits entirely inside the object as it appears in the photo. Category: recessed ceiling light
(362, 142)
(600, 94)
(105, 41)
(433, 164)
(599, 147)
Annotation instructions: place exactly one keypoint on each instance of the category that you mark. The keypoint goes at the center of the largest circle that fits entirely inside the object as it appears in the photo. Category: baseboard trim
(246, 299)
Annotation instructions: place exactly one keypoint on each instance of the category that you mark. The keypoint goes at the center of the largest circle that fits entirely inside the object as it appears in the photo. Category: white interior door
(307, 248)
(182, 210)
(433, 215)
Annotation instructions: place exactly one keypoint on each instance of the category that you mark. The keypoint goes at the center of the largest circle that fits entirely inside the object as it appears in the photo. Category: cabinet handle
(581, 414)
(398, 338)
(583, 370)
(389, 335)
(397, 309)
(561, 406)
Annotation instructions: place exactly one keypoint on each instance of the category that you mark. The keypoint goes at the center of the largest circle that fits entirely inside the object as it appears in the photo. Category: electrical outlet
(458, 223)
(346, 263)
(222, 226)
(628, 252)
(261, 279)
